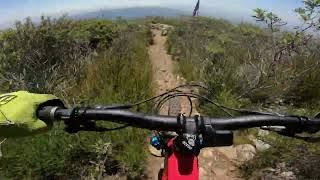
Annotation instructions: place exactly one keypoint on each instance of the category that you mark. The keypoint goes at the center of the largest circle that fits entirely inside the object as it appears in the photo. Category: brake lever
(114, 107)
(273, 128)
(282, 130)
(76, 123)
(84, 126)
(91, 128)
(77, 130)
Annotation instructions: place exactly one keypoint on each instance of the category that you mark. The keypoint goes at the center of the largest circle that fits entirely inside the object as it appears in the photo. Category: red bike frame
(180, 166)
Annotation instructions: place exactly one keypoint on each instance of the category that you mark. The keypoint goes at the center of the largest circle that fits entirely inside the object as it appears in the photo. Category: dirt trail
(215, 163)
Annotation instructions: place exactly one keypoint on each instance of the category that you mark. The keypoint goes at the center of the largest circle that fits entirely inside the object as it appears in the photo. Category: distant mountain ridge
(125, 13)
(129, 13)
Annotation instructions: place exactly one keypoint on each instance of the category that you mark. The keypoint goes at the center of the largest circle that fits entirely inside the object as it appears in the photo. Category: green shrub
(238, 59)
(241, 66)
(118, 72)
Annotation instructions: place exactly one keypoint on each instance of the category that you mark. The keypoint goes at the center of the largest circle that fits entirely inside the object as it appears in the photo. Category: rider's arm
(18, 113)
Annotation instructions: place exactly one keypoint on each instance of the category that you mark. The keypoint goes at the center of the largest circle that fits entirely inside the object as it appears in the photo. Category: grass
(121, 73)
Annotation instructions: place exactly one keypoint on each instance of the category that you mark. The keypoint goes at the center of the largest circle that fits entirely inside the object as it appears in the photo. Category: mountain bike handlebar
(81, 117)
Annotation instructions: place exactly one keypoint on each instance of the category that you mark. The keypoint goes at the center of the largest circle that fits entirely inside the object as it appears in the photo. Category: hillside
(130, 13)
(112, 14)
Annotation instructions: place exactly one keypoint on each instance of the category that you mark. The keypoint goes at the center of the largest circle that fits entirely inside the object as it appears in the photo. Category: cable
(194, 95)
(167, 98)
(157, 108)
(172, 90)
(244, 111)
(161, 99)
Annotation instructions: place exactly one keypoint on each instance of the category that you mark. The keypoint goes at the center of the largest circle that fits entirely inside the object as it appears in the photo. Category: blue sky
(11, 10)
